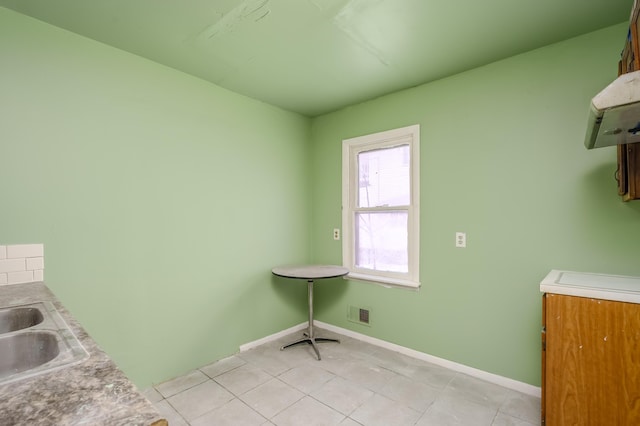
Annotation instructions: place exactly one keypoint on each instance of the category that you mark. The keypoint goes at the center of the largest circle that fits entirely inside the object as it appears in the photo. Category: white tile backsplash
(34, 263)
(25, 250)
(21, 263)
(20, 277)
(13, 265)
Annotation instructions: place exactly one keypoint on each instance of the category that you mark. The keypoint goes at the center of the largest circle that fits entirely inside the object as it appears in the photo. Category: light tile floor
(355, 383)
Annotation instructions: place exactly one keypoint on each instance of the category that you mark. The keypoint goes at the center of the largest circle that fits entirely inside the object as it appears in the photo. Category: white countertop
(597, 286)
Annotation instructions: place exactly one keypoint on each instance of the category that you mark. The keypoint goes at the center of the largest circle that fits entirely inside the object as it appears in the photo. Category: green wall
(502, 159)
(163, 201)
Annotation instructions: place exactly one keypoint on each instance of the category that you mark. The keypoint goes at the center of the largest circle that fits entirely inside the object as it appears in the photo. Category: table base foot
(311, 341)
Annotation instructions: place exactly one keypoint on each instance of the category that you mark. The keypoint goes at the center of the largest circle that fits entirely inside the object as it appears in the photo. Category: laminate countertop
(91, 392)
(620, 288)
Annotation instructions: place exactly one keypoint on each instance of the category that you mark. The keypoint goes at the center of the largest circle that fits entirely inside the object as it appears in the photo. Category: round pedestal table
(310, 273)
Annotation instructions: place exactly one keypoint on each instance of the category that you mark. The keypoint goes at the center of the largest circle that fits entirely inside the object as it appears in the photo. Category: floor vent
(364, 316)
(359, 315)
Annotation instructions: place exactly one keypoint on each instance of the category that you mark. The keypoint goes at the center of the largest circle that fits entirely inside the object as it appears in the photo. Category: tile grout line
(376, 362)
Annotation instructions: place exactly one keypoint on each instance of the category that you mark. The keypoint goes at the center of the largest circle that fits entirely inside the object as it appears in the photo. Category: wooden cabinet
(628, 173)
(590, 361)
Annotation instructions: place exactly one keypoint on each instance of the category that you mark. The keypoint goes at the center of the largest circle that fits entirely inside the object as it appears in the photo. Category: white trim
(506, 382)
(272, 337)
(480, 374)
(350, 147)
(383, 281)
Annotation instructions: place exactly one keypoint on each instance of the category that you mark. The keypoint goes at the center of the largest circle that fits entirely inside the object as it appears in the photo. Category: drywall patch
(248, 10)
(348, 20)
(328, 5)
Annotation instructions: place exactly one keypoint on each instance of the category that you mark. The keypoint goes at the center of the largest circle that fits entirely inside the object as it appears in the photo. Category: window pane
(383, 177)
(381, 241)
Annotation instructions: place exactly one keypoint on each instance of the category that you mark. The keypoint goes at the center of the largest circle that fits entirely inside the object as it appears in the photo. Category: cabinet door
(592, 362)
(622, 172)
(633, 171)
(628, 173)
(544, 358)
(628, 58)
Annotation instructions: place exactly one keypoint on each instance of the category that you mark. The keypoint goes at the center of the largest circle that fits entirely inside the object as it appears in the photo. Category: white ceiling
(316, 56)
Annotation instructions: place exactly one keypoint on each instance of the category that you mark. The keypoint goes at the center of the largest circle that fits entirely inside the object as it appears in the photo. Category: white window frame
(350, 148)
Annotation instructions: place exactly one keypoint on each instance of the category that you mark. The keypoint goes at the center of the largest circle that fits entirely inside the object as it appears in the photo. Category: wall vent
(359, 315)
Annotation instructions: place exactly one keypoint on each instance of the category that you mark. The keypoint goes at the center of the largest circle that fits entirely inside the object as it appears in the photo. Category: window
(380, 207)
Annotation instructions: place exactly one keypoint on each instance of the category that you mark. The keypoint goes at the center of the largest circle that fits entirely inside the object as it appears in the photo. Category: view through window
(381, 208)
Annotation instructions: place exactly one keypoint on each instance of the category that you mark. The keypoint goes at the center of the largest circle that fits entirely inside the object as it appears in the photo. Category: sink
(13, 319)
(25, 351)
(35, 339)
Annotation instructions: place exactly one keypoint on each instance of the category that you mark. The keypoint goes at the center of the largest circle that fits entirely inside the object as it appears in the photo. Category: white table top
(598, 286)
(310, 272)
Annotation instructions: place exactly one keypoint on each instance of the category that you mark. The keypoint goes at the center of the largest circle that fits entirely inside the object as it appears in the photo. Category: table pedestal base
(309, 337)
(311, 341)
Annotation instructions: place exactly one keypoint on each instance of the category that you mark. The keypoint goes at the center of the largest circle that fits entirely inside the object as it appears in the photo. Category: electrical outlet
(336, 234)
(461, 239)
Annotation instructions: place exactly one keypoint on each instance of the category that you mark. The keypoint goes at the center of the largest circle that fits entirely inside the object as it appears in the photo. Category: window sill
(383, 281)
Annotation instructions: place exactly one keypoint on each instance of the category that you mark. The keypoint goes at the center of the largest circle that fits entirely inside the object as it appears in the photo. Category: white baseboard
(273, 337)
(480, 374)
(506, 382)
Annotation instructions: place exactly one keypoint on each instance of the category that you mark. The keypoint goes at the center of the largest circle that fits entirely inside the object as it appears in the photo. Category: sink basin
(18, 318)
(24, 351)
(35, 339)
